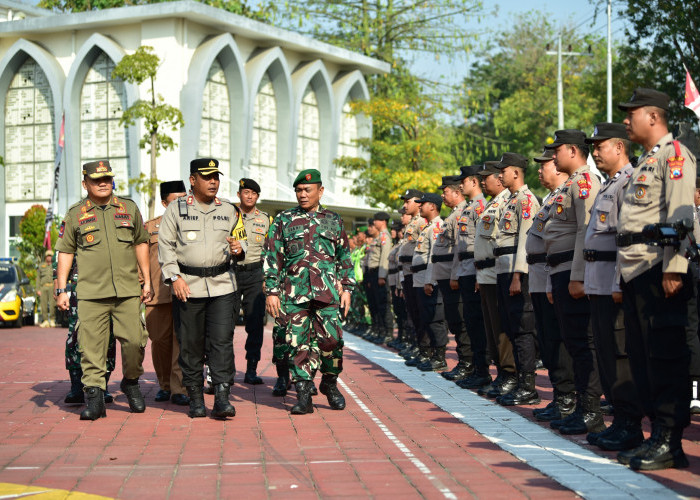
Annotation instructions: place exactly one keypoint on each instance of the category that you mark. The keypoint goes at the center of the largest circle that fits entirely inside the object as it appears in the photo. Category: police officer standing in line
(611, 154)
(554, 354)
(165, 350)
(440, 270)
(107, 235)
(397, 302)
(249, 278)
(413, 228)
(44, 289)
(196, 251)
(463, 277)
(500, 348)
(515, 305)
(564, 242)
(377, 272)
(657, 290)
(432, 338)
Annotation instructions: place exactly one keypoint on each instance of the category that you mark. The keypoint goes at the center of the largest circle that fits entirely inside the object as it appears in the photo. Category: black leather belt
(559, 258)
(419, 268)
(447, 257)
(405, 258)
(484, 264)
(205, 272)
(627, 239)
(504, 251)
(599, 255)
(249, 267)
(465, 255)
(393, 271)
(536, 258)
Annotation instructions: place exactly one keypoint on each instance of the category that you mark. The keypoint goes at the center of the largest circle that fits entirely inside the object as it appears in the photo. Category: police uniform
(660, 191)
(607, 319)
(432, 336)
(44, 284)
(564, 243)
(378, 295)
(193, 246)
(397, 301)
(103, 238)
(499, 346)
(249, 277)
(517, 316)
(165, 350)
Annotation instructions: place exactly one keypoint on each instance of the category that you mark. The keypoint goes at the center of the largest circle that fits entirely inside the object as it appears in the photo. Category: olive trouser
(165, 349)
(47, 303)
(93, 337)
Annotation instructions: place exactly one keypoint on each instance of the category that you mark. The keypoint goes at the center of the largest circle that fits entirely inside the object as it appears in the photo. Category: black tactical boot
(437, 362)
(590, 419)
(524, 394)
(626, 436)
(76, 396)
(425, 364)
(251, 374)
(564, 405)
(108, 396)
(462, 370)
(95, 404)
(549, 407)
(130, 387)
(304, 404)
(664, 452)
(329, 388)
(197, 408)
(423, 356)
(508, 383)
(483, 390)
(222, 407)
(478, 379)
(283, 383)
(593, 437)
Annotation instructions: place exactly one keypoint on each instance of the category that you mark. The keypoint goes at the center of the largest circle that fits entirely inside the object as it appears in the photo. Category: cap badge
(242, 183)
(211, 163)
(307, 177)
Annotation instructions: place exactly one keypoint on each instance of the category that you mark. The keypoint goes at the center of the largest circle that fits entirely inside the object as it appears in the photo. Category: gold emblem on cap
(242, 183)
(211, 163)
(191, 235)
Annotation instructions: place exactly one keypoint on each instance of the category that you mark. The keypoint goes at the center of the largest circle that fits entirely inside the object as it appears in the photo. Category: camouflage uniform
(307, 264)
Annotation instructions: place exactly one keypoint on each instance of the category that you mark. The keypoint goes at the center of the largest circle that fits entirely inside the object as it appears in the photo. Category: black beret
(606, 130)
(205, 166)
(547, 154)
(381, 216)
(171, 187)
(646, 97)
(450, 180)
(411, 193)
(568, 136)
(512, 160)
(431, 198)
(249, 184)
(468, 171)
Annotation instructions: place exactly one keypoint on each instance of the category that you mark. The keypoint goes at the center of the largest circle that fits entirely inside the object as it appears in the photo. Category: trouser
(409, 294)
(607, 323)
(205, 324)
(499, 346)
(432, 317)
(554, 354)
(574, 324)
(313, 338)
(399, 307)
(518, 320)
(72, 351)
(474, 320)
(371, 304)
(93, 337)
(455, 322)
(380, 299)
(165, 350)
(692, 331)
(356, 314)
(250, 294)
(47, 303)
(657, 346)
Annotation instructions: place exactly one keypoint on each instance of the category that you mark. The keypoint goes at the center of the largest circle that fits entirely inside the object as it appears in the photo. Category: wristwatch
(59, 291)
(174, 278)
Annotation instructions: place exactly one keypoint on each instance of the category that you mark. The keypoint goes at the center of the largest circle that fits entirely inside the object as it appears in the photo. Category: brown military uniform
(44, 284)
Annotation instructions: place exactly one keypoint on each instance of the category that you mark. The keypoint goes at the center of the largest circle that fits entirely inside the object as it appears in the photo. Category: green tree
(137, 68)
(31, 246)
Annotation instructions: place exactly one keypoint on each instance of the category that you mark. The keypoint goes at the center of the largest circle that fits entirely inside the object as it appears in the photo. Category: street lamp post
(560, 81)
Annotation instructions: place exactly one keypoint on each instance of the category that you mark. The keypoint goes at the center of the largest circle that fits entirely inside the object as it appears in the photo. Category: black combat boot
(423, 356)
(665, 451)
(478, 379)
(508, 383)
(462, 370)
(437, 362)
(563, 405)
(589, 420)
(425, 364)
(251, 374)
(329, 388)
(625, 436)
(524, 394)
(130, 387)
(76, 396)
(593, 437)
(108, 395)
(95, 404)
(283, 383)
(304, 404)
(483, 390)
(222, 407)
(197, 408)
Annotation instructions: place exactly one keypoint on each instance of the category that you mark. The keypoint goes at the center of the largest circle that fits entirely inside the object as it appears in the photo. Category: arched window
(309, 138)
(215, 135)
(102, 103)
(29, 135)
(347, 146)
(263, 151)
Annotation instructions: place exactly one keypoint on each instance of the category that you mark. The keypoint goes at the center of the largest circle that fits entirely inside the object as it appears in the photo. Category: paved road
(403, 434)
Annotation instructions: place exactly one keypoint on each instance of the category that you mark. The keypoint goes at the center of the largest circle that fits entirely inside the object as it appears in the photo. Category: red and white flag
(692, 96)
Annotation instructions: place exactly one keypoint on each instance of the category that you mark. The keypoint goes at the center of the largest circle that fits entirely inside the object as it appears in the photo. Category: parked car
(17, 295)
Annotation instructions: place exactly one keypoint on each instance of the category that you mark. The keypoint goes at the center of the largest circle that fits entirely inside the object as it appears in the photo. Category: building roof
(16, 7)
(195, 11)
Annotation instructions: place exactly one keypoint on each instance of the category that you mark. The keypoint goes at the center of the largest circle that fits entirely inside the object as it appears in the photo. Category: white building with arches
(264, 101)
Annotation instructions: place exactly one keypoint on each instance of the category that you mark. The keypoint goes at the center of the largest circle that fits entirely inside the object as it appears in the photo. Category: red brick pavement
(264, 452)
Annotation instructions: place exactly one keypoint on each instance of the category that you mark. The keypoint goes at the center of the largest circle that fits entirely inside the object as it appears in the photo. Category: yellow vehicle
(17, 295)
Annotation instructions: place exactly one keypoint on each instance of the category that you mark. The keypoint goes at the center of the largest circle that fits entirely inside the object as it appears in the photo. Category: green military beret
(308, 176)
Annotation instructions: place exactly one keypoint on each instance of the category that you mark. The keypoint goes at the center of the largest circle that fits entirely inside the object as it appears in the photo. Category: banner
(692, 96)
(54, 185)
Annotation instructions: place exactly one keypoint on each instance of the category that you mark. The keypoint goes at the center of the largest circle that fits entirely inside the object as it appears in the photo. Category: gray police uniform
(408, 245)
(397, 302)
(378, 296)
(193, 245)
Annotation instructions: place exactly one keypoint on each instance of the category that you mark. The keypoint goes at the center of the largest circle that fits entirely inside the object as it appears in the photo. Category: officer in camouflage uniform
(308, 281)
